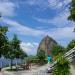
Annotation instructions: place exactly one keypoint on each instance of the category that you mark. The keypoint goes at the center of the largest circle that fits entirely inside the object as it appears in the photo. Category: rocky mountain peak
(46, 44)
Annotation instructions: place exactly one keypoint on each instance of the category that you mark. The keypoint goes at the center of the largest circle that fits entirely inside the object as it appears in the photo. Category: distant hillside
(46, 44)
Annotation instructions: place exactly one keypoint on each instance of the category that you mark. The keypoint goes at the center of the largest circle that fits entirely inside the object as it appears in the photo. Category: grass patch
(11, 70)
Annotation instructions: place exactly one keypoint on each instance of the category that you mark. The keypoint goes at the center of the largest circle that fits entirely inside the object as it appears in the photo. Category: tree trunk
(16, 62)
(0, 65)
(11, 63)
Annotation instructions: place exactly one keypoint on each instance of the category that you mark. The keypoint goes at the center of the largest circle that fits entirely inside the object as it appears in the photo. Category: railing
(70, 54)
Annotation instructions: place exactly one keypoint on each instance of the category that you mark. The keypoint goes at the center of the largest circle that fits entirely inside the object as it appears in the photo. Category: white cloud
(29, 48)
(57, 33)
(44, 4)
(67, 1)
(63, 33)
(58, 4)
(7, 8)
(53, 3)
(60, 20)
(22, 29)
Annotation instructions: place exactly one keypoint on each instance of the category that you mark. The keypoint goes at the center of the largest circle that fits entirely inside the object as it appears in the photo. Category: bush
(41, 57)
(62, 67)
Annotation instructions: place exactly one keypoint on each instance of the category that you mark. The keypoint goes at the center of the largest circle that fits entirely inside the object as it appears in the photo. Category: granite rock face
(46, 44)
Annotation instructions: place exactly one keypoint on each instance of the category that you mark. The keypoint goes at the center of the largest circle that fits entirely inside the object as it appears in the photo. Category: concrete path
(72, 70)
(34, 71)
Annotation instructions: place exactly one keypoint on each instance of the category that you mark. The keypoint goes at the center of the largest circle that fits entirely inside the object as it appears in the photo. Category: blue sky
(31, 20)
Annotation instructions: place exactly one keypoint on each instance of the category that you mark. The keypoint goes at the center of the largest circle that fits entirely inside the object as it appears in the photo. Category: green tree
(56, 50)
(19, 53)
(71, 45)
(11, 53)
(41, 56)
(14, 50)
(72, 18)
(72, 12)
(3, 40)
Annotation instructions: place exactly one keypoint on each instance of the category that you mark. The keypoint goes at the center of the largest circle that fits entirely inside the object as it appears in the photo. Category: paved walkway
(72, 70)
(34, 71)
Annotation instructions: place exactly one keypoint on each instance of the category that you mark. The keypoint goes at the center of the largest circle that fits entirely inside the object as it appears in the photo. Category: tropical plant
(62, 67)
(70, 46)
